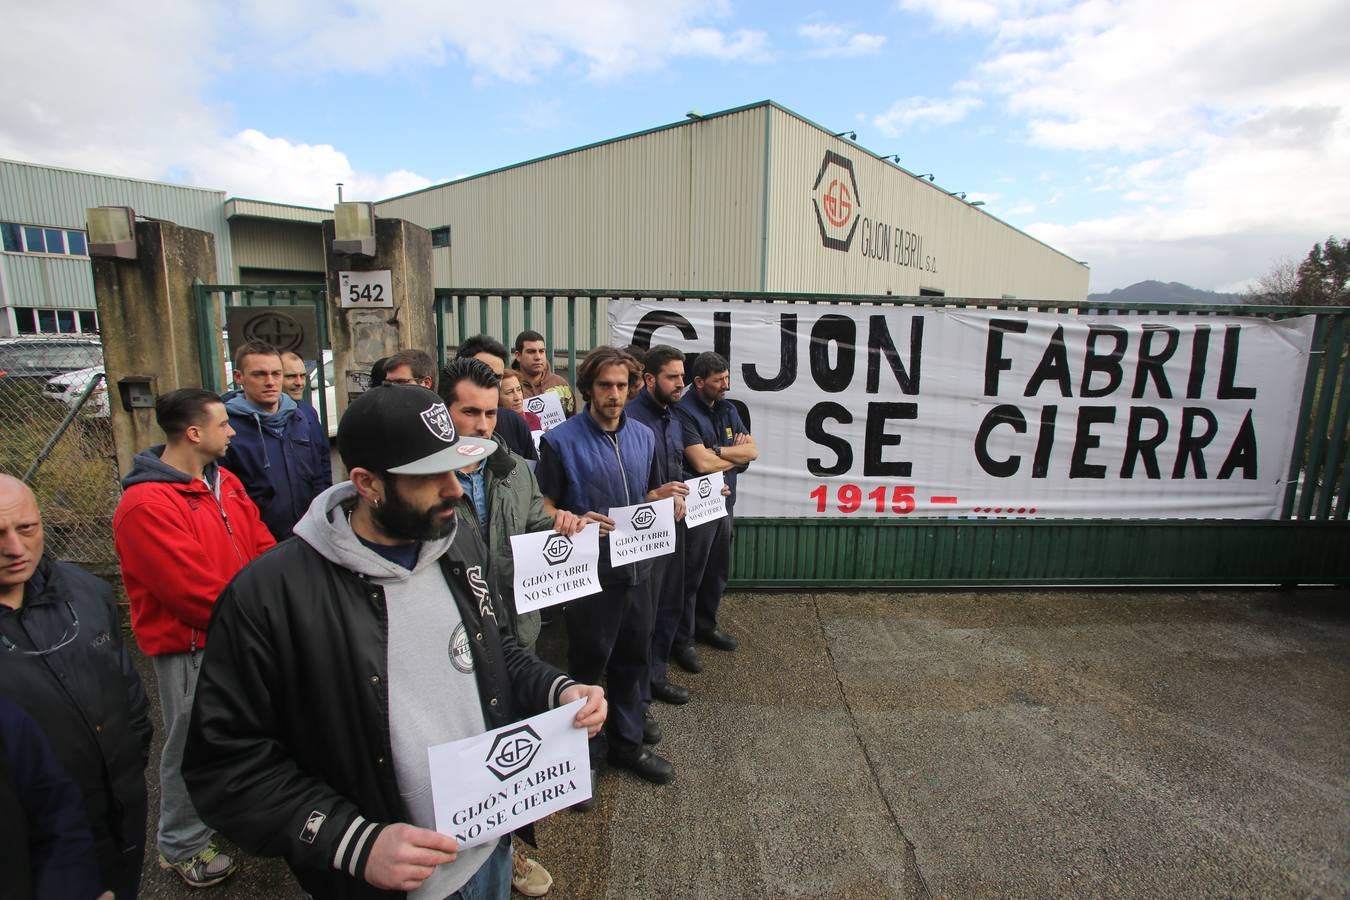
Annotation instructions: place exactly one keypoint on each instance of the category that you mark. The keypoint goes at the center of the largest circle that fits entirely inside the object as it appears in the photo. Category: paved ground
(1020, 743)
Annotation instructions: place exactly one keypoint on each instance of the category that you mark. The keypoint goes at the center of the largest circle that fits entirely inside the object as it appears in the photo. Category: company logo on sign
(557, 548)
(836, 200)
(704, 488)
(534, 405)
(644, 517)
(513, 751)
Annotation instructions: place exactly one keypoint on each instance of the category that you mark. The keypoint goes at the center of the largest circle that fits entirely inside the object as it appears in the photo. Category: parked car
(39, 358)
(70, 386)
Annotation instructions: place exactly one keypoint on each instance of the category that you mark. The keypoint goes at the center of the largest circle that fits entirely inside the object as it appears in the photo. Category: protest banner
(548, 407)
(486, 786)
(641, 532)
(552, 568)
(883, 411)
(705, 502)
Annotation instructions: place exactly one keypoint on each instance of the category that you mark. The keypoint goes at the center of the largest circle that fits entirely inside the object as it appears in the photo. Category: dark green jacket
(514, 506)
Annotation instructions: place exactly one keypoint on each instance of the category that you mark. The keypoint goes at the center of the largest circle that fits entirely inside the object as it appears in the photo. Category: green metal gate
(1308, 544)
(212, 300)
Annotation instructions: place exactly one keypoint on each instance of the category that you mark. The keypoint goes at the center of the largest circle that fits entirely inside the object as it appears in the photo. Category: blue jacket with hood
(282, 459)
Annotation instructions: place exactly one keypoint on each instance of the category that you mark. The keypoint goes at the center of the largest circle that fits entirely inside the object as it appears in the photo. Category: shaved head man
(63, 663)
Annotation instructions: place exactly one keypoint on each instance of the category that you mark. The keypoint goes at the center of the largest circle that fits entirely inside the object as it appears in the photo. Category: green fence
(212, 301)
(1308, 544)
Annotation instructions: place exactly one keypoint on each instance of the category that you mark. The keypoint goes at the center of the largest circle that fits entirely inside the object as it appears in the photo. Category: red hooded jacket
(180, 543)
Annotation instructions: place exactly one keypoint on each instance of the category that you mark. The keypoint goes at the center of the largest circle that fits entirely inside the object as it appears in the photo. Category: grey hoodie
(433, 695)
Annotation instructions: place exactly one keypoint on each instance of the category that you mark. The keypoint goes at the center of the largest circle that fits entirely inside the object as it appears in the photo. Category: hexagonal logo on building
(513, 751)
(836, 200)
(643, 518)
(704, 488)
(557, 548)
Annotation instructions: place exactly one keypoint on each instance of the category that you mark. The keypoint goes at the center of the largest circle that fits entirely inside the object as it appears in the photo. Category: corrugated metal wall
(43, 195)
(289, 246)
(976, 254)
(678, 206)
(48, 281)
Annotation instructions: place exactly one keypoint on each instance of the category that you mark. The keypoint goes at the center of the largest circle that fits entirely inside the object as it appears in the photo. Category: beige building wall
(677, 207)
(276, 245)
(904, 235)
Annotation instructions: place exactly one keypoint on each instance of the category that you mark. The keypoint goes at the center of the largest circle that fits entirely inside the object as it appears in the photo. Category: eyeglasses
(71, 632)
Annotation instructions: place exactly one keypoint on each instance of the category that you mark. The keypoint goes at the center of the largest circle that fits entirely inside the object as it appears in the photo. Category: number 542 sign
(358, 289)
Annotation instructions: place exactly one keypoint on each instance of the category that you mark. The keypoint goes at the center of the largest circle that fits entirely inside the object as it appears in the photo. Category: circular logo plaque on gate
(277, 329)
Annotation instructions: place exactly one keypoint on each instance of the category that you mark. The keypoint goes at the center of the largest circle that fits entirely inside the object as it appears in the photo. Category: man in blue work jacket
(715, 440)
(591, 463)
(662, 384)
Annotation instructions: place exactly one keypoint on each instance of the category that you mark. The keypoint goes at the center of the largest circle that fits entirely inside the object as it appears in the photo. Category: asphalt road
(1014, 743)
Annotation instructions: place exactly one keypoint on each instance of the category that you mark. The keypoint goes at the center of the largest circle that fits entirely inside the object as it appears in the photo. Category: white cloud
(1230, 125)
(834, 40)
(923, 111)
(123, 88)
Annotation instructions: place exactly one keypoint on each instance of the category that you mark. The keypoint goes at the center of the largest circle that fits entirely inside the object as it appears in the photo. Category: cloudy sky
(1181, 140)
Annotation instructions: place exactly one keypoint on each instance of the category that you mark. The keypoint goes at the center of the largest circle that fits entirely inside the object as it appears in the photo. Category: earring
(376, 503)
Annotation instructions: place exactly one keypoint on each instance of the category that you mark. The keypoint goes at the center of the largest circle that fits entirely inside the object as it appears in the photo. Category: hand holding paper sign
(592, 715)
(404, 856)
(606, 523)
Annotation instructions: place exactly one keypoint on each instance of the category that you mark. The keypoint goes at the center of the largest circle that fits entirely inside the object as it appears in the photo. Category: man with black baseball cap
(336, 659)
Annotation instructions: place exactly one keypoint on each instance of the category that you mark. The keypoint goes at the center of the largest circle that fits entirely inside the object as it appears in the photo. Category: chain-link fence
(56, 434)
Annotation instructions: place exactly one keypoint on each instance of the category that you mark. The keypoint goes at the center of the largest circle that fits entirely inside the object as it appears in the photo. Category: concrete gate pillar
(363, 335)
(148, 319)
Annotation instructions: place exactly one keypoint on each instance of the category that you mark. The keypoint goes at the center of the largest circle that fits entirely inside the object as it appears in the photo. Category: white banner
(488, 785)
(552, 568)
(881, 411)
(705, 502)
(548, 407)
(642, 531)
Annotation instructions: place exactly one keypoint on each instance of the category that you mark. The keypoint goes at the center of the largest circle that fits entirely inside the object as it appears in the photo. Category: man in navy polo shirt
(588, 465)
(715, 440)
(663, 381)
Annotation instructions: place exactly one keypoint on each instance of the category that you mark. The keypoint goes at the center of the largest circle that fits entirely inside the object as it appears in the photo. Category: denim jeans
(492, 881)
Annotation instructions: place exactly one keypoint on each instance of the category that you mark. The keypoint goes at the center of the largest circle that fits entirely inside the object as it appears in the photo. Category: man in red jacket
(183, 528)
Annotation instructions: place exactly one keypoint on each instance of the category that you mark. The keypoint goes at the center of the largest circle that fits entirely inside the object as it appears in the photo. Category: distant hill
(1169, 292)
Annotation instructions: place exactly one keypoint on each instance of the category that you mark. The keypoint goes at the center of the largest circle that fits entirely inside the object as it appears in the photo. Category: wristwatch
(717, 449)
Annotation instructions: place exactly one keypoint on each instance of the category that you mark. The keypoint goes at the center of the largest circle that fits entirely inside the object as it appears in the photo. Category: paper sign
(705, 502)
(548, 407)
(642, 531)
(488, 785)
(535, 436)
(553, 568)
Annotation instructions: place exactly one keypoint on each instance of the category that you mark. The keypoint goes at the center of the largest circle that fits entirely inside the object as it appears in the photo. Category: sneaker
(203, 870)
(528, 876)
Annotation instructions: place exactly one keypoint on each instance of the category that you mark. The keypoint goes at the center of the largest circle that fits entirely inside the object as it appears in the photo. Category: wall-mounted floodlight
(851, 135)
(693, 114)
(112, 231)
(977, 203)
(928, 175)
(354, 229)
(892, 157)
(959, 195)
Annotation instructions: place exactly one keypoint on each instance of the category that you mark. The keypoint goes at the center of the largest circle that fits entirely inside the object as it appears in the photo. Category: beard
(400, 519)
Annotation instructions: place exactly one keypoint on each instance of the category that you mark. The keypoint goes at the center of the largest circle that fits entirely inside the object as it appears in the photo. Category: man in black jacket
(63, 661)
(336, 659)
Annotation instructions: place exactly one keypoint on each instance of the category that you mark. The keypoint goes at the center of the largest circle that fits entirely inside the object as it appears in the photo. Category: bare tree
(1277, 285)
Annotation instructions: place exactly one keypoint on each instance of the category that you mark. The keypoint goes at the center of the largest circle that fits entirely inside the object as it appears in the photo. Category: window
(16, 238)
(65, 321)
(88, 318)
(440, 237)
(24, 322)
(931, 292)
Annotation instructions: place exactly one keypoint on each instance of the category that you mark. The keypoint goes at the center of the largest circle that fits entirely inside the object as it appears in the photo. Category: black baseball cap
(405, 429)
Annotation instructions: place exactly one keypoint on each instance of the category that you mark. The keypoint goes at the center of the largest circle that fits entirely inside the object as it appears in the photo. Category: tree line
(1322, 278)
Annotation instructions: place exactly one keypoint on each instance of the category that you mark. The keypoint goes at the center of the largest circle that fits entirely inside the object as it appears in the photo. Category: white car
(68, 389)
